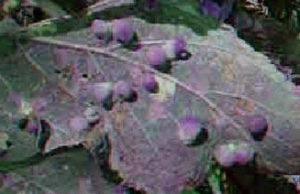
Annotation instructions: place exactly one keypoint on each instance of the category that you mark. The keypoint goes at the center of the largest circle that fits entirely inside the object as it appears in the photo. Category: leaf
(101, 5)
(214, 180)
(189, 191)
(64, 173)
(223, 81)
(51, 8)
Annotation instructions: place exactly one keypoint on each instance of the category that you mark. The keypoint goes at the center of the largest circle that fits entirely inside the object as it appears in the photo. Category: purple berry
(257, 125)
(243, 153)
(149, 83)
(156, 56)
(101, 29)
(224, 155)
(124, 91)
(78, 123)
(122, 30)
(191, 130)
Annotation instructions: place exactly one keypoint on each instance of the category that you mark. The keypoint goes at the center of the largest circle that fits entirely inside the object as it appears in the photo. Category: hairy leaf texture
(222, 82)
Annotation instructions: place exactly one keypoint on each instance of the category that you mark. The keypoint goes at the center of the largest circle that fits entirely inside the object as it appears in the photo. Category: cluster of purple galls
(158, 57)
(191, 129)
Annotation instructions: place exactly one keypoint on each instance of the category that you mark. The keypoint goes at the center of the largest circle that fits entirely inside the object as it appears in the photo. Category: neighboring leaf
(184, 13)
(7, 25)
(101, 5)
(189, 191)
(64, 173)
(52, 9)
(214, 180)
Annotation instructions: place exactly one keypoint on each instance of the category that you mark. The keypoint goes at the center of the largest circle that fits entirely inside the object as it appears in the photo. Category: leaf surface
(224, 80)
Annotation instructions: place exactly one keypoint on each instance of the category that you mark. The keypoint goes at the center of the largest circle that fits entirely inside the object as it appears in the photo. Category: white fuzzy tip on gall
(122, 89)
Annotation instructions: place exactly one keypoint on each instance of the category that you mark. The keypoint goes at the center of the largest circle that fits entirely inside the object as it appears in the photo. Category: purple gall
(257, 126)
(233, 153)
(175, 47)
(213, 9)
(124, 91)
(102, 91)
(224, 155)
(191, 131)
(122, 30)
(156, 56)
(149, 83)
(101, 29)
(210, 8)
(243, 153)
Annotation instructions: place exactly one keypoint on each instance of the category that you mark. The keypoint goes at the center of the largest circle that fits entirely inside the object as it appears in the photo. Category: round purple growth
(156, 55)
(103, 93)
(174, 48)
(149, 83)
(234, 153)
(179, 45)
(257, 125)
(191, 130)
(122, 30)
(243, 153)
(210, 8)
(124, 91)
(224, 155)
(101, 29)
(122, 88)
